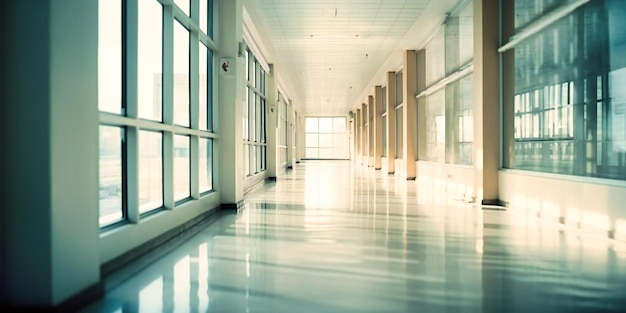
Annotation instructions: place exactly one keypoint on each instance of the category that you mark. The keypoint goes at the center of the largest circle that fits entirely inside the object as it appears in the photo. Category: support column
(508, 88)
(409, 116)
(50, 235)
(391, 122)
(300, 137)
(357, 137)
(420, 60)
(231, 101)
(290, 134)
(365, 138)
(271, 92)
(378, 132)
(371, 131)
(486, 149)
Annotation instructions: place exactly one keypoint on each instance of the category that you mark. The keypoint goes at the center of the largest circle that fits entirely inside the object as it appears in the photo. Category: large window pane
(326, 124)
(181, 75)
(181, 168)
(203, 88)
(205, 165)
(110, 56)
(204, 11)
(183, 5)
(150, 171)
(149, 61)
(326, 138)
(567, 109)
(111, 175)
(312, 125)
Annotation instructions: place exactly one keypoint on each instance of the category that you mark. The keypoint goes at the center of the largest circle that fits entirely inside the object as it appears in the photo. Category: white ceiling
(332, 50)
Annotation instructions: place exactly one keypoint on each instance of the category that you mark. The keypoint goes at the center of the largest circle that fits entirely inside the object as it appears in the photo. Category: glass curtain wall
(448, 127)
(254, 118)
(568, 103)
(136, 88)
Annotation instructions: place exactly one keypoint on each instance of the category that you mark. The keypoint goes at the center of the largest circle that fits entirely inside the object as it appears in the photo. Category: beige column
(365, 138)
(391, 122)
(508, 90)
(378, 131)
(421, 104)
(357, 137)
(371, 130)
(486, 150)
(409, 117)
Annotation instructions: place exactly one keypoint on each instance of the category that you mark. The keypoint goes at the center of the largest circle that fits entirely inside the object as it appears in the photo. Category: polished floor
(331, 237)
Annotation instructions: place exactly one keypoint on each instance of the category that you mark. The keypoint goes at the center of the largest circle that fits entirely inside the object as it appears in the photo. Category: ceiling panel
(331, 47)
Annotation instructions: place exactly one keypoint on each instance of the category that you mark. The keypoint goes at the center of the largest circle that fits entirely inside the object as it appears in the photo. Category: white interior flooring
(332, 237)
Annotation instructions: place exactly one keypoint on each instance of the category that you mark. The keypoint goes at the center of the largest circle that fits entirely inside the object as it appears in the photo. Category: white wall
(597, 205)
(456, 180)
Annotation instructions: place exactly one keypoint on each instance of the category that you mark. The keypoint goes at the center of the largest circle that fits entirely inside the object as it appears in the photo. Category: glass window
(183, 5)
(203, 95)
(181, 168)
(110, 56)
(205, 165)
(204, 12)
(326, 138)
(568, 115)
(312, 125)
(254, 116)
(435, 58)
(111, 175)
(145, 64)
(150, 171)
(181, 75)
(150, 59)
(459, 42)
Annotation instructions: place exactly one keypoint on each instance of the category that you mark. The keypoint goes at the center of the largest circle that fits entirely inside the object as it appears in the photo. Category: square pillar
(420, 59)
(486, 149)
(50, 249)
(232, 89)
(357, 136)
(371, 129)
(409, 116)
(378, 131)
(271, 91)
(391, 122)
(365, 135)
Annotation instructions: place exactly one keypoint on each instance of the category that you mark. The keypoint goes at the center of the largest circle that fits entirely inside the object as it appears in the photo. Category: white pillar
(50, 239)
(272, 110)
(232, 98)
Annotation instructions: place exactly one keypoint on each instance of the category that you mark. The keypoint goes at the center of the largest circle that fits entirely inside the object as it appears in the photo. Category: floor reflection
(330, 237)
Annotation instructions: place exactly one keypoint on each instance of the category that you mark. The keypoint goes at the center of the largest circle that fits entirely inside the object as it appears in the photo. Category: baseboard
(232, 206)
(82, 299)
(493, 204)
(272, 178)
